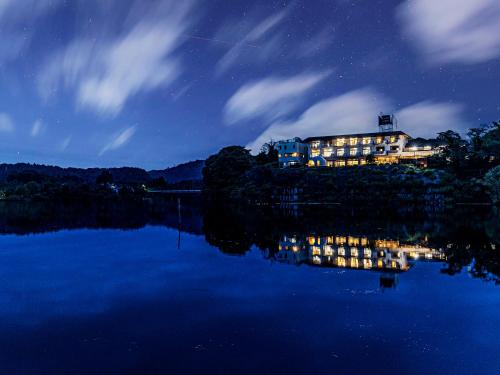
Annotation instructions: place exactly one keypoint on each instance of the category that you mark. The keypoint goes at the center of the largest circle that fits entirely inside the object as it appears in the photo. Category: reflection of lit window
(368, 253)
(353, 141)
(341, 262)
(353, 240)
(341, 251)
(353, 151)
(328, 250)
(354, 252)
(367, 263)
(340, 152)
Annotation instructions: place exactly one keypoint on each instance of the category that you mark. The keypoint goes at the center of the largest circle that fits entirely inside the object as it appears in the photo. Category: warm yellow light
(354, 252)
(366, 141)
(353, 141)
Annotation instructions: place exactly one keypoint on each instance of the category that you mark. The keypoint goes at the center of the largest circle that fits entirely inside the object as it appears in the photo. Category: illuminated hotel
(384, 147)
(353, 252)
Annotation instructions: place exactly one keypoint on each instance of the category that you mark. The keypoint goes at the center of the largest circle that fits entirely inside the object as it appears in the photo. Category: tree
(492, 182)
(454, 150)
(224, 172)
(491, 142)
(104, 178)
(268, 153)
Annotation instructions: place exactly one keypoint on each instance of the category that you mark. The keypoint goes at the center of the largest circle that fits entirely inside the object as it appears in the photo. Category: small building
(292, 152)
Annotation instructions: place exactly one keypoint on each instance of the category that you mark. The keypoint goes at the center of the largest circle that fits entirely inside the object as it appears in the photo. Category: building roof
(374, 134)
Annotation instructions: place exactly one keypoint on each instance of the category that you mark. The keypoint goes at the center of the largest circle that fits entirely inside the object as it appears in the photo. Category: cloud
(270, 98)
(17, 20)
(119, 140)
(107, 71)
(36, 128)
(460, 31)
(65, 143)
(251, 39)
(6, 123)
(427, 118)
(353, 112)
(356, 112)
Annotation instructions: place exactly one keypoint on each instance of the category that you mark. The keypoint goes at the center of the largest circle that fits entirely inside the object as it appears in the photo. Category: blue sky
(155, 83)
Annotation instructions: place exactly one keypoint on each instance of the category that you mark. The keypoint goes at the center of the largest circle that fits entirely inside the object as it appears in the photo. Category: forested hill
(123, 175)
(190, 171)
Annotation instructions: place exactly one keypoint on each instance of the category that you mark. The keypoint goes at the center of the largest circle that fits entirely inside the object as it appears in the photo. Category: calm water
(123, 291)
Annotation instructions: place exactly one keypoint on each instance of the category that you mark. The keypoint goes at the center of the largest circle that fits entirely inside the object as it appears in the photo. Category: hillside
(182, 172)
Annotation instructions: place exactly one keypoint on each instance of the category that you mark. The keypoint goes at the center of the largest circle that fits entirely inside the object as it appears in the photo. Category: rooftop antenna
(386, 123)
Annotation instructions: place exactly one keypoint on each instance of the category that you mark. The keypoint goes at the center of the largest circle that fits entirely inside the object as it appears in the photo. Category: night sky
(155, 83)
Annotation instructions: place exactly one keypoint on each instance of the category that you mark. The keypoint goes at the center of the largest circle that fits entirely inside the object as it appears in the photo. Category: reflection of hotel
(384, 147)
(353, 252)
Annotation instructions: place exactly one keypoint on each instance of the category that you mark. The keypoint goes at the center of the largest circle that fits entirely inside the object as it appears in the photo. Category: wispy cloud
(462, 31)
(65, 143)
(270, 98)
(120, 139)
(106, 72)
(353, 112)
(36, 128)
(17, 19)
(356, 112)
(6, 123)
(256, 39)
(427, 118)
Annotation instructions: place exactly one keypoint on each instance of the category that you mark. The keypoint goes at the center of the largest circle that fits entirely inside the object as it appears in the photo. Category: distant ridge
(190, 171)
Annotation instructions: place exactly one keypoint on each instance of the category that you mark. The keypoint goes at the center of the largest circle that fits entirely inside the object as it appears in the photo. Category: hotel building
(383, 147)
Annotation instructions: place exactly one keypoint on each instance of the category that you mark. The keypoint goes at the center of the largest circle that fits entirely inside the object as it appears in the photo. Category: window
(327, 152)
(353, 141)
(362, 162)
(341, 262)
(367, 263)
(353, 151)
(340, 142)
(353, 162)
(340, 163)
(366, 150)
(354, 262)
(341, 251)
(354, 252)
(340, 152)
(393, 138)
(368, 253)
(378, 140)
(366, 140)
(314, 153)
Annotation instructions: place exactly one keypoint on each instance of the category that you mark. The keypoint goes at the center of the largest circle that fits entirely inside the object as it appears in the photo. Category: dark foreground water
(123, 291)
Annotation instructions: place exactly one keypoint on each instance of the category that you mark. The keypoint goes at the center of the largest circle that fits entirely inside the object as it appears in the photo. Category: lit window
(316, 250)
(354, 252)
(366, 150)
(393, 139)
(353, 240)
(327, 152)
(380, 263)
(340, 163)
(427, 148)
(367, 263)
(368, 253)
(314, 153)
(353, 141)
(353, 162)
(362, 161)
(364, 241)
(378, 140)
(310, 163)
(366, 141)
(295, 154)
(340, 152)
(340, 240)
(341, 262)
(353, 151)
(328, 250)
(311, 240)
(341, 251)
(340, 142)
(354, 263)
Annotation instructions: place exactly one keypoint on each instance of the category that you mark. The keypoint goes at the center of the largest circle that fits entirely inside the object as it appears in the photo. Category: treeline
(465, 170)
(39, 182)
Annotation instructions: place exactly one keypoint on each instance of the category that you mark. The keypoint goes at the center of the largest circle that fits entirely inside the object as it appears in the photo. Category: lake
(218, 290)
